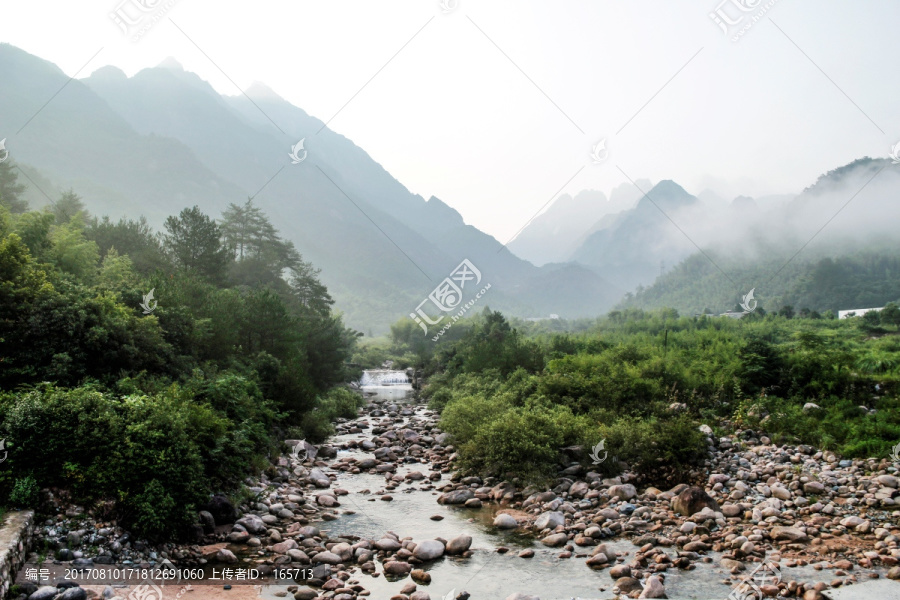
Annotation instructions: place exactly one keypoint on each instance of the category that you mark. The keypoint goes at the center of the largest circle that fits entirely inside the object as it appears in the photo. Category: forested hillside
(147, 370)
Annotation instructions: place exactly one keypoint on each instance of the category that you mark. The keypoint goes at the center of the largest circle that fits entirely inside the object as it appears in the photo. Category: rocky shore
(782, 506)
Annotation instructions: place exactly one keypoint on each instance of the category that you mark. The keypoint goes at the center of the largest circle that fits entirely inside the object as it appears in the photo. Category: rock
(604, 549)
(458, 545)
(505, 521)
(328, 558)
(555, 540)
(429, 550)
(731, 510)
(813, 487)
(619, 571)
(207, 521)
(888, 481)
(695, 547)
(238, 537)
(626, 585)
(225, 555)
(653, 588)
(252, 523)
(306, 593)
(222, 510)
(781, 493)
(45, 592)
(319, 479)
(787, 533)
(456, 497)
(692, 500)
(395, 567)
(299, 556)
(283, 547)
(73, 593)
(420, 595)
(387, 544)
(420, 576)
(625, 491)
(549, 520)
(810, 406)
(598, 560)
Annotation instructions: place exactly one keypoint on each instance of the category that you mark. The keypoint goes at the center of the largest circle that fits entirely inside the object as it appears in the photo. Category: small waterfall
(383, 378)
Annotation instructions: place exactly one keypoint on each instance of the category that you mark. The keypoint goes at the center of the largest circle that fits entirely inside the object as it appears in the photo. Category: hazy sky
(495, 106)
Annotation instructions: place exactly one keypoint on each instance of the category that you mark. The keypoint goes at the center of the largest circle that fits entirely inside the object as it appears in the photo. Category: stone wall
(16, 536)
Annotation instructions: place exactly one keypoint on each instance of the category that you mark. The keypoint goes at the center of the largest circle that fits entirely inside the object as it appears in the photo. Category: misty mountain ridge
(163, 140)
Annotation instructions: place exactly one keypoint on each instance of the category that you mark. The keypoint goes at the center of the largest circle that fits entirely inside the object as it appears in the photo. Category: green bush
(25, 493)
(159, 456)
(317, 424)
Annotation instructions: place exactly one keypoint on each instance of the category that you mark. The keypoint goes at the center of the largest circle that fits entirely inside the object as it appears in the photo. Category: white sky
(451, 116)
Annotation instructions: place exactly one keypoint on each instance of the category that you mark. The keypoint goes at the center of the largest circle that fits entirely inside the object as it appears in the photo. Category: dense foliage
(143, 371)
(522, 399)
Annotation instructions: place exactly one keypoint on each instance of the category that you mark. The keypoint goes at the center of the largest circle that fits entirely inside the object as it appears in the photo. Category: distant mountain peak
(170, 63)
(260, 90)
(109, 72)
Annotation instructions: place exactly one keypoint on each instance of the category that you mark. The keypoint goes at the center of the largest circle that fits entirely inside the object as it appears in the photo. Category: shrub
(25, 493)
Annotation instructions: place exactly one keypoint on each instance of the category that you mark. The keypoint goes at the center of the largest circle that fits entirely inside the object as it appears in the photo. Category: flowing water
(487, 574)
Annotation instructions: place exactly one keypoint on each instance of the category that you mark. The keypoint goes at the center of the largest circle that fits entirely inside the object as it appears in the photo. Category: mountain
(164, 139)
(832, 247)
(630, 246)
(556, 233)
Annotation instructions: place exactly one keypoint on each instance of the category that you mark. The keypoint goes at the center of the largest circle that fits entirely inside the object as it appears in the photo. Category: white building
(857, 312)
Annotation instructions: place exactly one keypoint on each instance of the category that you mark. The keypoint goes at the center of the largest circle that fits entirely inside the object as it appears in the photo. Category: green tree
(11, 189)
(68, 205)
(134, 238)
(194, 243)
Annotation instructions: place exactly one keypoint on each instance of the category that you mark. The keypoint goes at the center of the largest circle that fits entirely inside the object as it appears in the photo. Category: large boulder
(505, 521)
(252, 523)
(319, 479)
(692, 500)
(387, 544)
(625, 491)
(653, 588)
(549, 520)
(221, 509)
(459, 544)
(45, 592)
(456, 497)
(396, 567)
(429, 550)
(791, 534)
